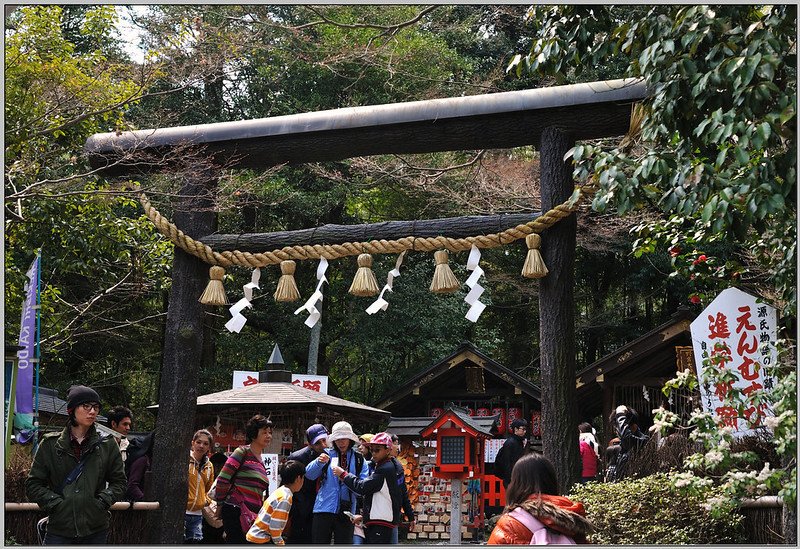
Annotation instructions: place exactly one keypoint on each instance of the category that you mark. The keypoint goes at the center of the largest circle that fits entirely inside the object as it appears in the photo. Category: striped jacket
(271, 520)
(201, 477)
(249, 477)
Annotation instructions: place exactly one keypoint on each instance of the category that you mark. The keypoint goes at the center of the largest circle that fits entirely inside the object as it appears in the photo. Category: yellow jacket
(201, 477)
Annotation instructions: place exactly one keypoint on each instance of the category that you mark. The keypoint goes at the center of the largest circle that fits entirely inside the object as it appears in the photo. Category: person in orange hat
(363, 445)
(535, 511)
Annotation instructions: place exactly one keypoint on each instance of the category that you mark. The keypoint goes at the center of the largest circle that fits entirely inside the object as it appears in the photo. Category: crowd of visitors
(340, 487)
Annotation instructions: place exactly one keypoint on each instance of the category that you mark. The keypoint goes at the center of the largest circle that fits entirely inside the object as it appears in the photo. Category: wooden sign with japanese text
(739, 332)
(242, 378)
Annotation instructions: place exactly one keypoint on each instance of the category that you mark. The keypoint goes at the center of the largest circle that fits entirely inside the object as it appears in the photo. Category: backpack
(542, 535)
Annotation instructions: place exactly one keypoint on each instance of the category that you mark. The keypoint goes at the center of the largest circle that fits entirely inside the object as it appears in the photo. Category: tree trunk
(557, 315)
(183, 354)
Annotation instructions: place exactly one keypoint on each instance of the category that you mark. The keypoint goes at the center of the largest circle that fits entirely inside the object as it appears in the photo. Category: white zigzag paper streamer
(473, 297)
(310, 305)
(381, 304)
(238, 320)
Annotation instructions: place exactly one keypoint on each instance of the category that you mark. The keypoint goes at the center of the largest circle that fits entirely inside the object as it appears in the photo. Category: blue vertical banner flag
(23, 418)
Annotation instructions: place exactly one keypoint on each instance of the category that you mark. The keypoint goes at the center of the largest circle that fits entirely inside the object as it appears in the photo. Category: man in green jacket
(79, 511)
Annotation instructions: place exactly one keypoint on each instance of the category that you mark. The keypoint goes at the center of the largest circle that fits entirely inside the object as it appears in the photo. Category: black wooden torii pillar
(551, 119)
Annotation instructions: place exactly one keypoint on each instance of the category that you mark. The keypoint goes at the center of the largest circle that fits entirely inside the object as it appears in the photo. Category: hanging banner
(242, 378)
(271, 465)
(740, 333)
(23, 418)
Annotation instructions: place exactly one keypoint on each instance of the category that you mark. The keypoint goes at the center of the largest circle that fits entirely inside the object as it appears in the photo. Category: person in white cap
(382, 497)
(334, 501)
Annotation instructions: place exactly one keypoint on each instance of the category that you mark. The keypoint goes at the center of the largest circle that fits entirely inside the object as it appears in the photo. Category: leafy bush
(651, 510)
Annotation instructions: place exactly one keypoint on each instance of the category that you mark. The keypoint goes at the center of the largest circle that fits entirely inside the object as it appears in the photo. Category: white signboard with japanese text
(242, 378)
(491, 447)
(271, 465)
(740, 332)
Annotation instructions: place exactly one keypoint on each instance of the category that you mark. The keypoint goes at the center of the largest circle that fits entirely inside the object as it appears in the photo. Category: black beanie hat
(79, 394)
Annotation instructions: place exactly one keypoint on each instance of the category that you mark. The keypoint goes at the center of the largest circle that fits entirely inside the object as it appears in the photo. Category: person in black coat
(303, 500)
(631, 438)
(512, 450)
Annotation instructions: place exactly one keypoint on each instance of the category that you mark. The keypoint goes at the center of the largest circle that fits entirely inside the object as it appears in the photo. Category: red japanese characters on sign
(735, 333)
(311, 385)
(243, 378)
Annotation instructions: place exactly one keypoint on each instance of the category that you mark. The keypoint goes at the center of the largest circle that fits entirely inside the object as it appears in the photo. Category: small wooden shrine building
(635, 373)
(291, 408)
(486, 393)
(470, 379)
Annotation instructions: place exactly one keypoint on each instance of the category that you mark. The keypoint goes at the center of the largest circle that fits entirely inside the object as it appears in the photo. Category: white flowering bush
(658, 510)
(739, 473)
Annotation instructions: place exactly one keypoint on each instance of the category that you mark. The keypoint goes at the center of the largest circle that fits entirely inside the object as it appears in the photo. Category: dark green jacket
(83, 509)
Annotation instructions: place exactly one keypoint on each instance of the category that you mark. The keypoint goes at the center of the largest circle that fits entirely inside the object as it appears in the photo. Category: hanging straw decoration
(287, 287)
(444, 281)
(534, 264)
(214, 293)
(364, 284)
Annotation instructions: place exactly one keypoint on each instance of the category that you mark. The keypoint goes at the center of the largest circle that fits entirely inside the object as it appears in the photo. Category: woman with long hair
(535, 511)
(243, 481)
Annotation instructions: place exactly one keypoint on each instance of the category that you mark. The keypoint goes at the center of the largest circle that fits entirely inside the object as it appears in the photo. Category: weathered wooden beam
(490, 121)
(452, 227)
(557, 314)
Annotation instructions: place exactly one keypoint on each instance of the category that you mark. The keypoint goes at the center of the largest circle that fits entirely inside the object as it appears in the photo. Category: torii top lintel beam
(500, 120)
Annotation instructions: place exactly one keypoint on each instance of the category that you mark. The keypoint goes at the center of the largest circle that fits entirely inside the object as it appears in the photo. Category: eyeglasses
(91, 406)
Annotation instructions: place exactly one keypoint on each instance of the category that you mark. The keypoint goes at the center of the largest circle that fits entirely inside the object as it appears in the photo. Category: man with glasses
(512, 450)
(76, 476)
(380, 490)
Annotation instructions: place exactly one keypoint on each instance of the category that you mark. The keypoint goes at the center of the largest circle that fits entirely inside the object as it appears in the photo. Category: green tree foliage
(718, 149)
(717, 158)
(103, 268)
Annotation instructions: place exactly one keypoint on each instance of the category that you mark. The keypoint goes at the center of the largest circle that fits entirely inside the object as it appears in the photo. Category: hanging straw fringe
(214, 293)
(287, 287)
(534, 264)
(444, 281)
(364, 283)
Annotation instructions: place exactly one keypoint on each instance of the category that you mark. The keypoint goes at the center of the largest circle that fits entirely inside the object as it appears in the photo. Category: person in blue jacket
(334, 499)
(382, 497)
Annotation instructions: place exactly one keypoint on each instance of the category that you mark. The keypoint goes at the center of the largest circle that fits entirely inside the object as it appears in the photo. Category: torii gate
(551, 119)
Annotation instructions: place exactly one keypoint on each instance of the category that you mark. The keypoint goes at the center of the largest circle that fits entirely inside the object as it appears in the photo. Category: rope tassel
(287, 287)
(214, 293)
(364, 283)
(534, 264)
(444, 281)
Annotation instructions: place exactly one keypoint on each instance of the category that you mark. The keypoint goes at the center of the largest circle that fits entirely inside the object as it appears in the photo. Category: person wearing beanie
(334, 500)
(303, 504)
(77, 504)
(511, 451)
